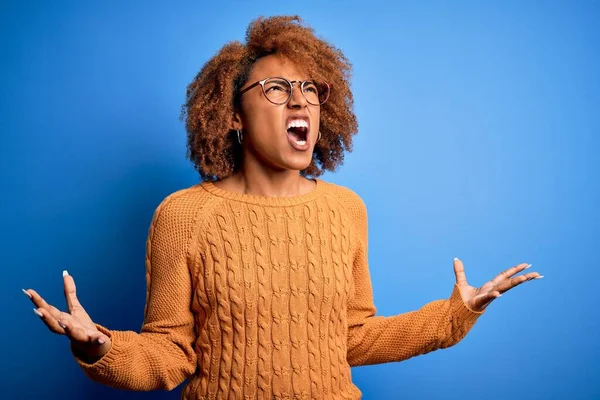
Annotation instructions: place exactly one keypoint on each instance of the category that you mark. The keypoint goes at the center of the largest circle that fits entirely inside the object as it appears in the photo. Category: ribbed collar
(263, 200)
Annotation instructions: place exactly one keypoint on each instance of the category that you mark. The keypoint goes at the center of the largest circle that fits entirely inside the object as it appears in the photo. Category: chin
(297, 165)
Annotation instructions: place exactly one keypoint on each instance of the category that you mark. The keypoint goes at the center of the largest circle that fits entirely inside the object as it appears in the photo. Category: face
(273, 135)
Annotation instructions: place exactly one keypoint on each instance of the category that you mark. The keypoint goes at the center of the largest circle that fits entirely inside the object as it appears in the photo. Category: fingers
(76, 325)
(459, 272)
(69, 326)
(510, 283)
(79, 333)
(509, 272)
(481, 301)
(40, 303)
(73, 330)
(49, 320)
(98, 339)
(50, 315)
(70, 292)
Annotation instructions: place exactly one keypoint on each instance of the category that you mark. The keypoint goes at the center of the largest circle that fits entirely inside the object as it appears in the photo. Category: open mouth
(297, 130)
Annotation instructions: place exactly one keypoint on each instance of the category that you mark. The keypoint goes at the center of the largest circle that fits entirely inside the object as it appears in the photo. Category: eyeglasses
(279, 90)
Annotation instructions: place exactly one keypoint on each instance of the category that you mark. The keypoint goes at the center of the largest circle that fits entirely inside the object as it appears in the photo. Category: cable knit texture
(265, 298)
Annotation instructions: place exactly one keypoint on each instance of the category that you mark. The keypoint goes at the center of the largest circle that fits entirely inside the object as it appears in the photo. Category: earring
(319, 137)
(239, 135)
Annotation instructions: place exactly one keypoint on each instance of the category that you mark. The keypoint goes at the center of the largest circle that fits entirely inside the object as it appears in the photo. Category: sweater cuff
(459, 306)
(100, 367)
(462, 318)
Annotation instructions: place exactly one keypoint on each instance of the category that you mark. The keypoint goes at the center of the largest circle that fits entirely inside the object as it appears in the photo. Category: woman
(257, 278)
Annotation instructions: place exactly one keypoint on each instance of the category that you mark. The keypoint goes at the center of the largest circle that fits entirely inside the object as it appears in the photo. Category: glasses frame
(262, 85)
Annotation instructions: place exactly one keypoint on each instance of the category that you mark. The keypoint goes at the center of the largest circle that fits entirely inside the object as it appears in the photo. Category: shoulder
(180, 209)
(179, 201)
(350, 203)
(348, 198)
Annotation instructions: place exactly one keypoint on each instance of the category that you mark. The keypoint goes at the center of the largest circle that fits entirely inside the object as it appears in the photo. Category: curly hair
(213, 96)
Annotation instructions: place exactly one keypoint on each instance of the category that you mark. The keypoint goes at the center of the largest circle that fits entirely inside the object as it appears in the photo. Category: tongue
(297, 133)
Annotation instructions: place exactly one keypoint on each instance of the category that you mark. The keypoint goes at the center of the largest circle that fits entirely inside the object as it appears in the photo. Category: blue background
(478, 138)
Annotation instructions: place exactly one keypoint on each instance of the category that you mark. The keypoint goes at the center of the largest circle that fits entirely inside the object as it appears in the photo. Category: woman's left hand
(477, 299)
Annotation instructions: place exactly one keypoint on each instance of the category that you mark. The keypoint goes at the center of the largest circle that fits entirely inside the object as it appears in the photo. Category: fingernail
(539, 277)
(455, 258)
(65, 273)
(39, 314)
(62, 325)
(100, 341)
(528, 266)
(26, 293)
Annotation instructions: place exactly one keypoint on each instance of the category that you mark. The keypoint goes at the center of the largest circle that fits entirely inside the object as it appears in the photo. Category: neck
(259, 180)
(272, 185)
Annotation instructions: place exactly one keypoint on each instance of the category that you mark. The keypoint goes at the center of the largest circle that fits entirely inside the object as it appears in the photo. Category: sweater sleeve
(162, 355)
(376, 339)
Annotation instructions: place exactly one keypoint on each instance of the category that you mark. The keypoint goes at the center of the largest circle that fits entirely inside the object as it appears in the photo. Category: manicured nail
(39, 314)
(455, 258)
(528, 266)
(62, 325)
(65, 273)
(539, 277)
(100, 341)
(26, 293)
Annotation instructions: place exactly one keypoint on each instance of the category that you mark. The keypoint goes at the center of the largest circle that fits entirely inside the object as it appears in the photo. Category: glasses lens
(277, 90)
(316, 93)
(311, 92)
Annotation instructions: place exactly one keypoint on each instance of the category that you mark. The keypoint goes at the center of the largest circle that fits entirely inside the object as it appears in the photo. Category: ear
(237, 122)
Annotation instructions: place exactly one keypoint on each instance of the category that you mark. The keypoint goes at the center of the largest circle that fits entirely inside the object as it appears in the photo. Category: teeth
(297, 123)
(300, 142)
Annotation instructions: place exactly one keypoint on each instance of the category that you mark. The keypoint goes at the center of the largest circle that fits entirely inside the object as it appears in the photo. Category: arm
(162, 355)
(376, 339)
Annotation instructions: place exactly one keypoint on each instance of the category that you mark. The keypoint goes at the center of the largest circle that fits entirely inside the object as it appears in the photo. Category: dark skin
(270, 165)
(270, 168)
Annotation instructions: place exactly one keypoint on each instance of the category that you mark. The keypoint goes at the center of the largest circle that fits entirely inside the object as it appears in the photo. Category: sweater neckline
(210, 187)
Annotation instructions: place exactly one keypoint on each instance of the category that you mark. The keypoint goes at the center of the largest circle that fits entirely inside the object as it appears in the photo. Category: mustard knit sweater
(265, 298)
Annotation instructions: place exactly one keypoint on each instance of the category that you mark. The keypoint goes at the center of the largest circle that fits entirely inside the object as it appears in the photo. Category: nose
(297, 99)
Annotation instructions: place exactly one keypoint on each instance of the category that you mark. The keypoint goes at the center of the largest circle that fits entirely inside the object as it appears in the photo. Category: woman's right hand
(76, 324)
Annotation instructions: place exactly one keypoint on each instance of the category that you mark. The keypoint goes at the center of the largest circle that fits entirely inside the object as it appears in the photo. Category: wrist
(90, 355)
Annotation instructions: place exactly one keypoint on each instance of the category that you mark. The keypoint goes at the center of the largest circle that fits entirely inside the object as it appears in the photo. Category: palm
(477, 299)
